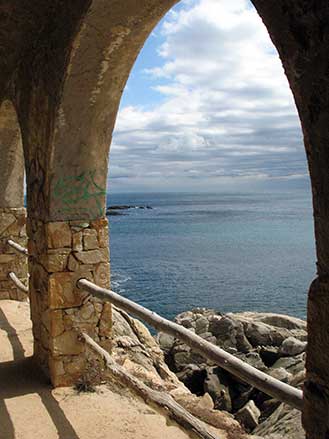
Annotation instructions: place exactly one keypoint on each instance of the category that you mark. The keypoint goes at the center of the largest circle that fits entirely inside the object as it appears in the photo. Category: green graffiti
(71, 191)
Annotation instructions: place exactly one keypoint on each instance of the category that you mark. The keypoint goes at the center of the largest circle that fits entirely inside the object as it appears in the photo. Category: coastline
(273, 343)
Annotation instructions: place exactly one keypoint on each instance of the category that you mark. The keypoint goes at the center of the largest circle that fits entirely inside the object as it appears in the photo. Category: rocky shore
(273, 343)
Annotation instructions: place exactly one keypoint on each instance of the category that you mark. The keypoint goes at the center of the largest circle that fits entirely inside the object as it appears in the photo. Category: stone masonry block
(90, 240)
(62, 293)
(6, 219)
(67, 343)
(102, 275)
(93, 256)
(77, 241)
(55, 260)
(58, 234)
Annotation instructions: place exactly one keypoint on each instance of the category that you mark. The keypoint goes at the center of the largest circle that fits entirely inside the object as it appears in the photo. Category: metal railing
(249, 374)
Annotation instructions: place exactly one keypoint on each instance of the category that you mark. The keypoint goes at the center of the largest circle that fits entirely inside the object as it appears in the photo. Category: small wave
(117, 281)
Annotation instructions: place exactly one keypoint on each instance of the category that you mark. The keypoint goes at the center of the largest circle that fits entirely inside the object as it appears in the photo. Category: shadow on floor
(18, 350)
(21, 377)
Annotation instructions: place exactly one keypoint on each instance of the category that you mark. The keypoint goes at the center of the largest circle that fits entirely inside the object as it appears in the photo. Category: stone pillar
(12, 212)
(12, 226)
(61, 253)
(316, 386)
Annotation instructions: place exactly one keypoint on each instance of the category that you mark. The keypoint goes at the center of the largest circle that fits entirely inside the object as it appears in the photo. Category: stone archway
(12, 211)
(68, 64)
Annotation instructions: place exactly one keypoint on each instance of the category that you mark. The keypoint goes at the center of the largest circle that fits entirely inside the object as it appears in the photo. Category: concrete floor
(30, 408)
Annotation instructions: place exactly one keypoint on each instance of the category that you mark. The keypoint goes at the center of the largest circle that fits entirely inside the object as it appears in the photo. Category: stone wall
(12, 226)
(60, 254)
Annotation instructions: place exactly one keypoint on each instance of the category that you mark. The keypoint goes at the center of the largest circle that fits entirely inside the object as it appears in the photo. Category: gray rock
(240, 395)
(248, 415)
(185, 319)
(214, 326)
(269, 355)
(254, 359)
(209, 337)
(280, 374)
(262, 334)
(218, 390)
(284, 422)
(187, 322)
(291, 346)
(193, 377)
(281, 321)
(181, 356)
(201, 325)
(165, 341)
(267, 408)
(298, 379)
(230, 334)
(231, 350)
(292, 364)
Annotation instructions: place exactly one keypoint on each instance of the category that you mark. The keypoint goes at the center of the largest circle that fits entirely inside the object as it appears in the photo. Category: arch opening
(12, 210)
(240, 137)
(154, 281)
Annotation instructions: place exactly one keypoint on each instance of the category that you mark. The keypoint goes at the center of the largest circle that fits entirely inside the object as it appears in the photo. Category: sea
(227, 251)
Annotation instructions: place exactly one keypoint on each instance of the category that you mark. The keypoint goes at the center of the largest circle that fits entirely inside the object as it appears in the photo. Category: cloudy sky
(207, 107)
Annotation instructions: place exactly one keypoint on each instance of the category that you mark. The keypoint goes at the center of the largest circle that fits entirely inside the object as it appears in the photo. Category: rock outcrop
(270, 342)
(140, 354)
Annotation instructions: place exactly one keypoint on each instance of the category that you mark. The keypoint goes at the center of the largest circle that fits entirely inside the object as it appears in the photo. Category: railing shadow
(18, 349)
(21, 377)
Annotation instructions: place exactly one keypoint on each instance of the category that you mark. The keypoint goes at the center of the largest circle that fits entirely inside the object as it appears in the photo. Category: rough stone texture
(59, 310)
(248, 415)
(227, 391)
(12, 160)
(291, 346)
(284, 423)
(12, 226)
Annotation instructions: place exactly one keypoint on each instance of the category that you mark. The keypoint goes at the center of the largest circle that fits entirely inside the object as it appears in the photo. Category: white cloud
(227, 110)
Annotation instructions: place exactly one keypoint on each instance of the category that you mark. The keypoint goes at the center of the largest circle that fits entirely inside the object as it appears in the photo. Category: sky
(207, 107)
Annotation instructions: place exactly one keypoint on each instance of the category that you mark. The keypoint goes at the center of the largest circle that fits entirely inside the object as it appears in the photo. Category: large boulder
(291, 346)
(262, 334)
(230, 334)
(254, 359)
(280, 374)
(248, 415)
(165, 341)
(270, 328)
(284, 423)
(218, 388)
(201, 324)
(293, 365)
(270, 342)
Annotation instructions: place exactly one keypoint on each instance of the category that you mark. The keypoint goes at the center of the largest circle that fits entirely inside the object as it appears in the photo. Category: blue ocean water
(231, 252)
